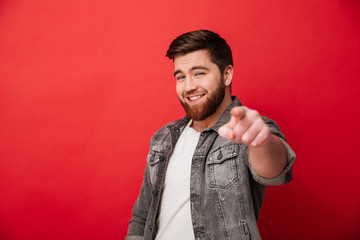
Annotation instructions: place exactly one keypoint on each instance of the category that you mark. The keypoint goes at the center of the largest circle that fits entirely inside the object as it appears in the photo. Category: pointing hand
(245, 126)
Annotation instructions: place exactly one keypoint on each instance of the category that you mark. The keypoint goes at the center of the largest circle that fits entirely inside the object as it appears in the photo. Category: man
(206, 174)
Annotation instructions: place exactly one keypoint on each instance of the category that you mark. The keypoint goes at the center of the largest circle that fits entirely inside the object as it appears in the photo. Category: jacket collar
(225, 117)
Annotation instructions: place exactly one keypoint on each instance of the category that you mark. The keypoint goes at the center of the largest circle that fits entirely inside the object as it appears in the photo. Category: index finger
(238, 112)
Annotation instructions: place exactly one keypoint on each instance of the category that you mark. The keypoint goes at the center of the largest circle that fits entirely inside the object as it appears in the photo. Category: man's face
(199, 84)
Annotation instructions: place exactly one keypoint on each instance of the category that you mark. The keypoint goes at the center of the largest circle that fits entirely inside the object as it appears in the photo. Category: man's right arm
(140, 209)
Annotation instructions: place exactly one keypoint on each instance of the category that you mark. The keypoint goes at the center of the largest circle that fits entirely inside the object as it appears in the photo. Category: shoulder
(164, 130)
(164, 133)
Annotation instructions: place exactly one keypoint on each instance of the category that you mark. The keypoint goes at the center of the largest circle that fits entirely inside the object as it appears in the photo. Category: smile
(195, 97)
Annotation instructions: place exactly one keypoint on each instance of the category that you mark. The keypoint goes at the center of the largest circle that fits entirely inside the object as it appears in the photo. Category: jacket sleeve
(140, 209)
(286, 175)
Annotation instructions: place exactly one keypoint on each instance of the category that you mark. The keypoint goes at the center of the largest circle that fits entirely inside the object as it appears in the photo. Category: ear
(228, 74)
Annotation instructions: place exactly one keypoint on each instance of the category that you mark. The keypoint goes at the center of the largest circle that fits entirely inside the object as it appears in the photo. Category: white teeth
(194, 97)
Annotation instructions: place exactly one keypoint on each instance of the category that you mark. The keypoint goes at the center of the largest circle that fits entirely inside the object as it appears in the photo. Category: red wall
(84, 84)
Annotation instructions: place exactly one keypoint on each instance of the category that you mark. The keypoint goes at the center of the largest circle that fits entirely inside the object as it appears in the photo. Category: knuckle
(237, 132)
(260, 121)
(253, 114)
(267, 130)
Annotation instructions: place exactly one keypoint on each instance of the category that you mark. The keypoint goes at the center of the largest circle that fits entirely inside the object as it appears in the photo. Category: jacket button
(155, 193)
(219, 156)
(161, 158)
(194, 196)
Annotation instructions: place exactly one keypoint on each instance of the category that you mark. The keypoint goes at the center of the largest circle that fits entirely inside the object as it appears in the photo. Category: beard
(206, 109)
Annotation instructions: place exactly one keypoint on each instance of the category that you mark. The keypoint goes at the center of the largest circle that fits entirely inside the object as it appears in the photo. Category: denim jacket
(226, 194)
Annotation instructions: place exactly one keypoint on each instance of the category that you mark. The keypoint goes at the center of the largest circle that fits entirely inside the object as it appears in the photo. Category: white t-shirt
(174, 218)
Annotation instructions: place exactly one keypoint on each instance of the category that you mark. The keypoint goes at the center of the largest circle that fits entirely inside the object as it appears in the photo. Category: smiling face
(200, 85)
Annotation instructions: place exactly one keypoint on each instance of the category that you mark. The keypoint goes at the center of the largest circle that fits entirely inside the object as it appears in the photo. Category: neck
(211, 120)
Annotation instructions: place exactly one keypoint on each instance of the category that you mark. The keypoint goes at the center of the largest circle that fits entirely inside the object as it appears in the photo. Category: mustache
(193, 92)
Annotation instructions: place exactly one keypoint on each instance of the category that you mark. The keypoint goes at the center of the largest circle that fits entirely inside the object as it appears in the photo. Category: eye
(180, 77)
(199, 74)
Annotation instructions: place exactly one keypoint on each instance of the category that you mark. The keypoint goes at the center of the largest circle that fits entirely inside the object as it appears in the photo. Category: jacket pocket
(154, 159)
(245, 229)
(221, 166)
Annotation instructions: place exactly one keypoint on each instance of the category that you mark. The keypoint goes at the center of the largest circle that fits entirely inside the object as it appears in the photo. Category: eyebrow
(192, 69)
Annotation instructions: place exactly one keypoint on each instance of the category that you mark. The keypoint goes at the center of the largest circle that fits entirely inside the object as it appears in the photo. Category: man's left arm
(267, 153)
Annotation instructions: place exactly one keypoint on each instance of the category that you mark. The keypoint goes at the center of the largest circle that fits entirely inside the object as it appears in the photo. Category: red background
(84, 84)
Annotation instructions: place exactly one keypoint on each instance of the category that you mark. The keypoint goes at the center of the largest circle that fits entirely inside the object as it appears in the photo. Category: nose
(190, 84)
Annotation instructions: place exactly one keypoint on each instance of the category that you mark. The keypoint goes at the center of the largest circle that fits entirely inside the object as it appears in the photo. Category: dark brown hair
(219, 50)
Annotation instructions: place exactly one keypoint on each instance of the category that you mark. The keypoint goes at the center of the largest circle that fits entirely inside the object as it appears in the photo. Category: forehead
(200, 57)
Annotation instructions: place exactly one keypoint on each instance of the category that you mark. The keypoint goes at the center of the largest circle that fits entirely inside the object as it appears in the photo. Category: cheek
(178, 89)
(211, 83)
(209, 86)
